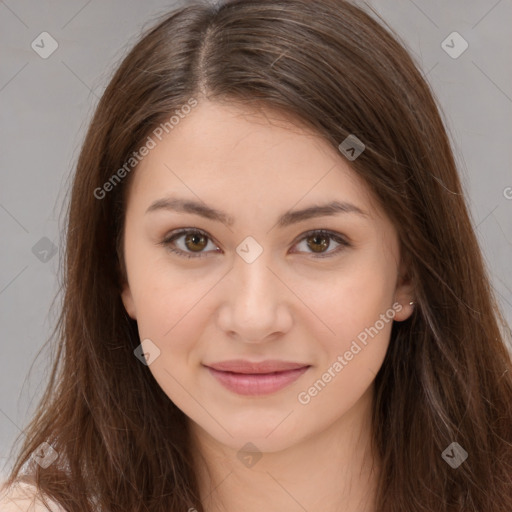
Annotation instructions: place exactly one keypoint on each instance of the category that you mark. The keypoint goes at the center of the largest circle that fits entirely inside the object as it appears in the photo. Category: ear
(129, 304)
(404, 294)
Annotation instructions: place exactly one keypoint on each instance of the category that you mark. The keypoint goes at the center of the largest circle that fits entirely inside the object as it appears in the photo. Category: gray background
(46, 104)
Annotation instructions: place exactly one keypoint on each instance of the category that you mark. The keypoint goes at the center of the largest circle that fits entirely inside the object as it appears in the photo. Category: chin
(266, 435)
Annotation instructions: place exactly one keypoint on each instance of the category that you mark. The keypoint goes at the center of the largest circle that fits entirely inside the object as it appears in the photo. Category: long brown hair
(122, 444)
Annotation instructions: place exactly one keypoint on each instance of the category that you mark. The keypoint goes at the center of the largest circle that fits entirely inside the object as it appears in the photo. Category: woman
(274, 296)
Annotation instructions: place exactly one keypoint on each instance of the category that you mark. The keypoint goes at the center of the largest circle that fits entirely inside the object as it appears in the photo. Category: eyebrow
(286, 219)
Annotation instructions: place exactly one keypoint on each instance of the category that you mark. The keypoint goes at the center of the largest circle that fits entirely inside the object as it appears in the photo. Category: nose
(256, 305)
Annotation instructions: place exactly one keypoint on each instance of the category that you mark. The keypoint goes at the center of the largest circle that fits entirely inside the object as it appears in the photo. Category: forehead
(260, 156)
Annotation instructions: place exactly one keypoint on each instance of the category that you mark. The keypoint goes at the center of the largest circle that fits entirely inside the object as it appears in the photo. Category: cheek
(174, 309)
(356, 306)
(172, 316)
(349, 360)
(351, 300)
(359, 310)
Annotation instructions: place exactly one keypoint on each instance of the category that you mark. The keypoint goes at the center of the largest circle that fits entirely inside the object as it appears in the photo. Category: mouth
(246, 378)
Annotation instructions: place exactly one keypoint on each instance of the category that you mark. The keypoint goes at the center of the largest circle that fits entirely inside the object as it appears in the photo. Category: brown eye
(196, 242)
(190, 243)
(318, 242)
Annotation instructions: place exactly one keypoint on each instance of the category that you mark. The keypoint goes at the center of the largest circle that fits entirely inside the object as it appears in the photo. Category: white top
(21, 497)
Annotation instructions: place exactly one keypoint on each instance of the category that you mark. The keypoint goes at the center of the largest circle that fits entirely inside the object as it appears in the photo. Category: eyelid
(337, 237)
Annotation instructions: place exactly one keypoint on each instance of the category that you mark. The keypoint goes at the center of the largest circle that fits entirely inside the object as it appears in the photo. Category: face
(221, 267)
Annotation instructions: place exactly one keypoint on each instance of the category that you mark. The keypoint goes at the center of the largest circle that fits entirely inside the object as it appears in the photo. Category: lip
(248, 367)
(247, 378)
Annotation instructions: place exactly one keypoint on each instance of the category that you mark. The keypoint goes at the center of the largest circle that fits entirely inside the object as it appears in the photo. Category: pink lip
(243, 366)
(246, 378)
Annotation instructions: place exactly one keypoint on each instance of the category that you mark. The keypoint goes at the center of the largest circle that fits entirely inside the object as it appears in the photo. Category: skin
(287, 304)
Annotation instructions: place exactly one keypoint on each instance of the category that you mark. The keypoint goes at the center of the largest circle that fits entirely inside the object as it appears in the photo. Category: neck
(331, 470)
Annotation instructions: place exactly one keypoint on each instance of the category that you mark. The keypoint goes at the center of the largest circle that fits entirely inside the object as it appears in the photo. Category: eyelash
(177, 234)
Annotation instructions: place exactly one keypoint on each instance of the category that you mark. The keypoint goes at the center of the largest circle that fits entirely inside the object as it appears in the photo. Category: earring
(411, 303)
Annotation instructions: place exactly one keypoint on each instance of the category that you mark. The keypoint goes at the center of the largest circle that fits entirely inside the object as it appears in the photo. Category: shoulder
(23, 497)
